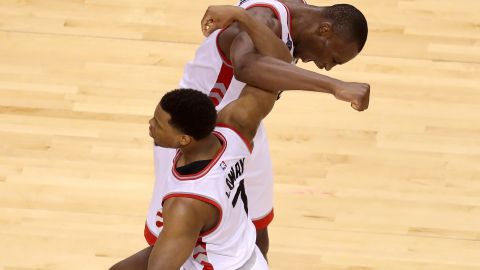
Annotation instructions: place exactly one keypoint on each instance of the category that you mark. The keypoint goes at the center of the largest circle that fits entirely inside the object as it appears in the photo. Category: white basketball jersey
(212, 73)
(231, 243)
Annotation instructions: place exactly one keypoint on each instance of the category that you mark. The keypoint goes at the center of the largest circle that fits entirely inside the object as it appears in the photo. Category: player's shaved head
(328, 35)
(348, 23)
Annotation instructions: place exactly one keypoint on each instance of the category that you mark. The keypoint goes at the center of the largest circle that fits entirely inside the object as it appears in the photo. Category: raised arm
(246, 112)
(254, 104)
(262, 70)
(266, 42)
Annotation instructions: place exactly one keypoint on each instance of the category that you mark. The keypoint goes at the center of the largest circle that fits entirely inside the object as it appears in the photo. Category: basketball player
(201, 205)
(227, 60)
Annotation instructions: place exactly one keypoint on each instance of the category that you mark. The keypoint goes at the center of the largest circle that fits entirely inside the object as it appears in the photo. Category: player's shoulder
(266, 15)
(266, 10)
(262, 13)
(183, 207)
(232, 128)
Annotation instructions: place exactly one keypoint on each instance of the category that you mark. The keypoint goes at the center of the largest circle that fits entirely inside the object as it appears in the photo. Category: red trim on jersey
(249, 144)
(149, 236)
(225, 77)
(277, 14)
(200, 198)
(262, 223)
(226, 72)
(267, 6)
(205, 170)
(206, 264)
(215, 101)
(223, 56)
(218, 91)
(289, 18)
(199, 253)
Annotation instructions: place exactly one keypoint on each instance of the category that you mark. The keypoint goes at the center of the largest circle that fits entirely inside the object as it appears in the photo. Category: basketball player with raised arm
(227, 60)
(201, 211)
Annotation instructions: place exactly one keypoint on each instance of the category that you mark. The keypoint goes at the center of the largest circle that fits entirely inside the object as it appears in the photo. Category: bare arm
(251, 47)
(254, 104)
(246, 113)
(184, 219)
(266, 41)
(270, 73)
(274, 74)
(265, 72)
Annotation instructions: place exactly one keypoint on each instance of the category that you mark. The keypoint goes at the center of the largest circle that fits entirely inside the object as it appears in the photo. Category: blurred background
(394, 188)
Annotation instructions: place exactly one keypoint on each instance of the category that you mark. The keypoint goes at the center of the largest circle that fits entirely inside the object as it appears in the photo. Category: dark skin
(185, 219)
(313, 43)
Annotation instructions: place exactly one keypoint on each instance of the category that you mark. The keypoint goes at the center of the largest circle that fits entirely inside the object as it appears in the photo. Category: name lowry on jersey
(233, 176)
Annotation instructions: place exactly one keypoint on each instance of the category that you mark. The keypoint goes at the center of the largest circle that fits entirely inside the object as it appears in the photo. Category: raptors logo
(289, 43)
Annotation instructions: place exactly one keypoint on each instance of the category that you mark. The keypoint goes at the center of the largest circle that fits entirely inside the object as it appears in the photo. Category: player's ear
(184, 140)
(325, 29)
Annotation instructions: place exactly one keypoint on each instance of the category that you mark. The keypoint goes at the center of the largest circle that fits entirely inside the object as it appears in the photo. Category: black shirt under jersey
(194, 167)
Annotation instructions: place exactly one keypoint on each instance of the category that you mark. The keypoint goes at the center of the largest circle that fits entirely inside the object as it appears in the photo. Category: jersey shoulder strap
(281, 12)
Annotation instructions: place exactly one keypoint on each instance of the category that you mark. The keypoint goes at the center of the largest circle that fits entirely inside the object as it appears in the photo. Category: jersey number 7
(241, 193)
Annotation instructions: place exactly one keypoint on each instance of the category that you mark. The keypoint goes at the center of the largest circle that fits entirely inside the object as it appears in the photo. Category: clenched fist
(358, 94)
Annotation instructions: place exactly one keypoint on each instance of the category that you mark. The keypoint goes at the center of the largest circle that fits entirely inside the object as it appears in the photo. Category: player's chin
(159, 144)
(163, 144)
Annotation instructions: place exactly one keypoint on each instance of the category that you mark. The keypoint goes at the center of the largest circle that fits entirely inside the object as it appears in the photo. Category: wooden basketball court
(394, 188)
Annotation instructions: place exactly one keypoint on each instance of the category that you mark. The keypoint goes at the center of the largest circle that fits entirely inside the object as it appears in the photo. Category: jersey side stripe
(222, 84)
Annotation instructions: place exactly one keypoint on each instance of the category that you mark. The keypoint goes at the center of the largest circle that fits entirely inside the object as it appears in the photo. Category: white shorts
(258, 178)
(256, 261)
(259, 181)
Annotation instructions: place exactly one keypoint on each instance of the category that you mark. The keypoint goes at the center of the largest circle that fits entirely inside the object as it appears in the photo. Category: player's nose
(151, 123)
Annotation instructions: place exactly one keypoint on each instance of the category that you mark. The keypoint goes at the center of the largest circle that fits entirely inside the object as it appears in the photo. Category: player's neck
(302, 16)
(203, 149)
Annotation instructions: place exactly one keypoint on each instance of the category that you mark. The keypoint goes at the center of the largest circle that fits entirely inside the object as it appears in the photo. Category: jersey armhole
(263, 222)
(224, 58)
(203, 199)
(275, 12)
(149, 236)
(247, 143)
